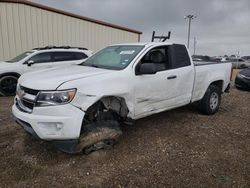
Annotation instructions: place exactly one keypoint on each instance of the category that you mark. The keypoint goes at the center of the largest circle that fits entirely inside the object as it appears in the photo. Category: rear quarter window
(179, 56)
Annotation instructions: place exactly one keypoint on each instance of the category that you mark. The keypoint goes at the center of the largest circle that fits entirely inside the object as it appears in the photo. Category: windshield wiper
(94, 65)
(90, 65)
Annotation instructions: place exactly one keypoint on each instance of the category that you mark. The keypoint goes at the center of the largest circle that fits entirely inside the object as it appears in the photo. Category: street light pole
(189, 17)
(195, 45)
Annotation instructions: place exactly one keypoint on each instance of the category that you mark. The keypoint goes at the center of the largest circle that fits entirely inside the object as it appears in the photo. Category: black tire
(104, 144)
(8, 85)
(239, 88)
(242, 88)
(211, 101)
(100, 129)
(99, 135)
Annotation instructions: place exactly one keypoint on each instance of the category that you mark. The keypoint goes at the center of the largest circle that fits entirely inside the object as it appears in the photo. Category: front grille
(28, 104)
(18, 105)
(26, 100)
(24, 106)
(29, 91)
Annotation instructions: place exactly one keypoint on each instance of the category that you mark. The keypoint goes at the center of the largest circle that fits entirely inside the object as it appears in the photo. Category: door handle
(172, 77)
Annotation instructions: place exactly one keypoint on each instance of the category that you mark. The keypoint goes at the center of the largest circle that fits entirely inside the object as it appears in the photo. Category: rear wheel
(211, 101)
(8, 85)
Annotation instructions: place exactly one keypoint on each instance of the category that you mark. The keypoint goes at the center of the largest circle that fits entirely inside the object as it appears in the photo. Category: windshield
(113, 57)
(20, 57)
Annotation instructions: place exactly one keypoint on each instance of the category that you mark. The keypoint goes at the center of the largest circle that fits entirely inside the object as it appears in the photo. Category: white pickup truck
(80, 108)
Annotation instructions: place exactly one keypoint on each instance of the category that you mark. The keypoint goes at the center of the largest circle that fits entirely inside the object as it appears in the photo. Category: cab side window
(179, 56)
(157, 56)
(41, 58)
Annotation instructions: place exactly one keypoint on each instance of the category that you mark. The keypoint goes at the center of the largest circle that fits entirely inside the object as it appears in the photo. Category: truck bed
(200, 63)
(208, 72)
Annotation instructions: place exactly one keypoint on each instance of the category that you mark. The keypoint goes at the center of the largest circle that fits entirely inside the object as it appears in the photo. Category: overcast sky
(221, 27)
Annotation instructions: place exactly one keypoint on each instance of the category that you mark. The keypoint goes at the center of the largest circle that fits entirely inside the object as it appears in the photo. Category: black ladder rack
(161, 38)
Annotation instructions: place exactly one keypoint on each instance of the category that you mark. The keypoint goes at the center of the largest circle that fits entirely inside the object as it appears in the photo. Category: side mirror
(147, 68)
(30, 62)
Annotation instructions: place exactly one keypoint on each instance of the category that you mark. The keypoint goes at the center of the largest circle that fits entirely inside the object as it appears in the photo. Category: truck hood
(51, 79)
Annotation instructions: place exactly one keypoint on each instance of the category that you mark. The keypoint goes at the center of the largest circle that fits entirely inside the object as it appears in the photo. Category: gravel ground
(178, 148)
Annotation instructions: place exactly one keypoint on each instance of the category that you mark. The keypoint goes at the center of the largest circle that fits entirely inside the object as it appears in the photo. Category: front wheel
(211, 101)
(8, 85)
(99, 135)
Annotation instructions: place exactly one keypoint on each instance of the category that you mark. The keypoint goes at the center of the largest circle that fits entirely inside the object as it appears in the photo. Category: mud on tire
(100, 129)
(99, 135)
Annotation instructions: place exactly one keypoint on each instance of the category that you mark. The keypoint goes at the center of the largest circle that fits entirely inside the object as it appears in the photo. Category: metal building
(25, 25)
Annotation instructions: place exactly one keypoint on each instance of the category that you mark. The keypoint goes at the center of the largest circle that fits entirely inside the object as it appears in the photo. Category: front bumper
(53, 123)
(68, 146)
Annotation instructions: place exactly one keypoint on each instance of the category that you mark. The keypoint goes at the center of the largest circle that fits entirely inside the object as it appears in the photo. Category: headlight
(52, 98)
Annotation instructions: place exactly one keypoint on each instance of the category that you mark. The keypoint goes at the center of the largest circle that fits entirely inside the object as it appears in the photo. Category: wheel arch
(218, 83)
(10, 74)
(115, 103)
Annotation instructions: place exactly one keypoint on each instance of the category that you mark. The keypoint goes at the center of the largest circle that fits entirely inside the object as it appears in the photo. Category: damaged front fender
(121, 104)
(84, 101)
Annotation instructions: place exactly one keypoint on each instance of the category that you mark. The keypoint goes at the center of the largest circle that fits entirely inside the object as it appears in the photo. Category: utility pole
(189, 17)
(195, 42)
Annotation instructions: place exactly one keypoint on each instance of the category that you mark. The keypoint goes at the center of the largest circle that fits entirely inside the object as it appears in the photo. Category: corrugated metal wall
(24, 27)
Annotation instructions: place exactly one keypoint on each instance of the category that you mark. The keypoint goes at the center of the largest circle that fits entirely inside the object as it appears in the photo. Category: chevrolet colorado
(80, 108)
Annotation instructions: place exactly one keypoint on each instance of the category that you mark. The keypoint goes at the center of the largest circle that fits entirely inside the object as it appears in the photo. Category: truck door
(183, 71)
(169, 87)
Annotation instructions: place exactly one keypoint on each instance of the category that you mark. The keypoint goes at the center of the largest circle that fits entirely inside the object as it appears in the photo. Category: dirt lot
(179, 148)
